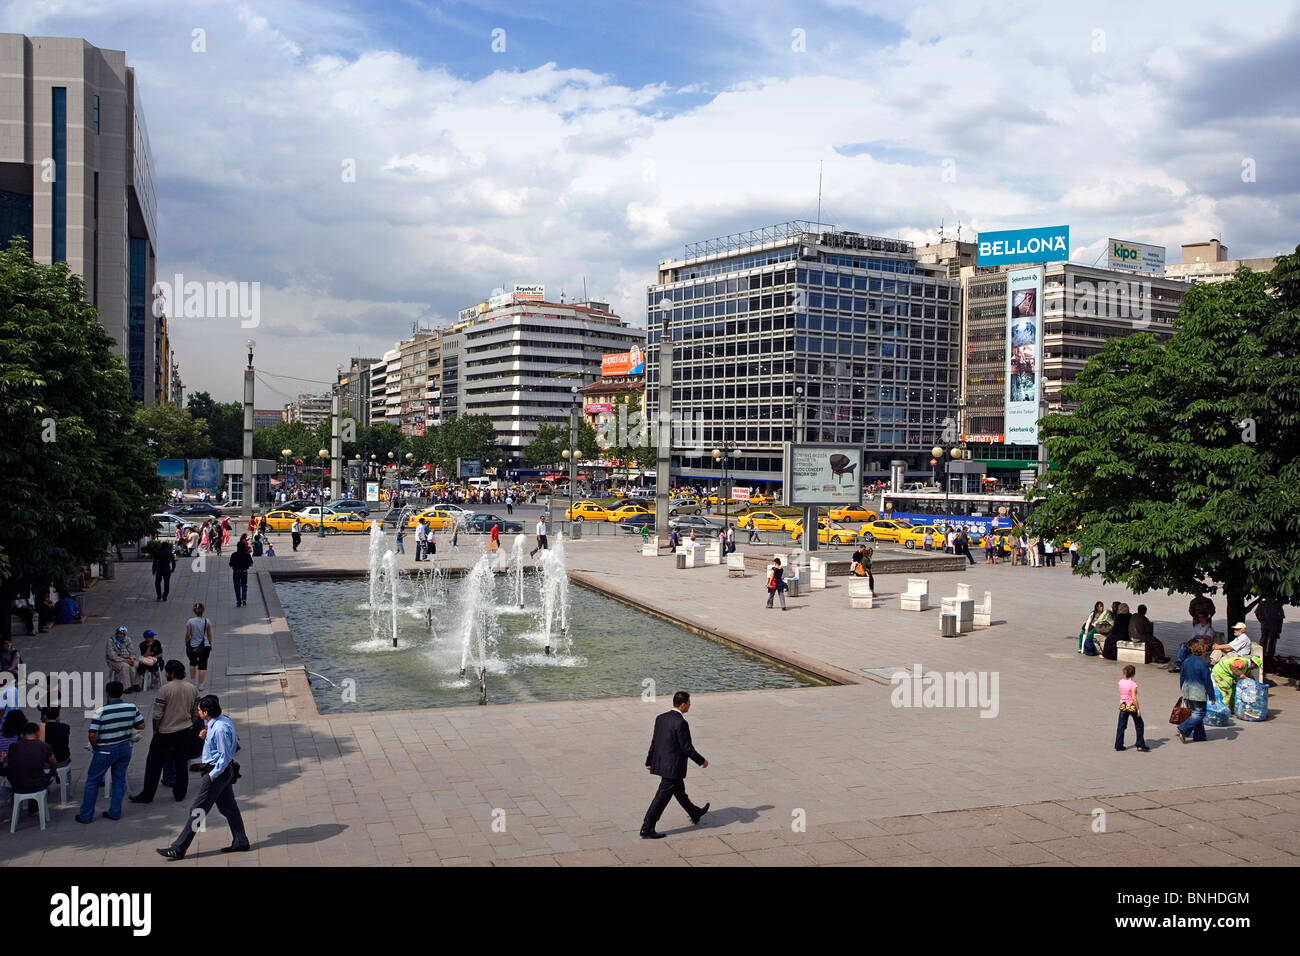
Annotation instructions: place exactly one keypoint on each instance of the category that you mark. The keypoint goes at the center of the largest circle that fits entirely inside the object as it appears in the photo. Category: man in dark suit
(669, 749)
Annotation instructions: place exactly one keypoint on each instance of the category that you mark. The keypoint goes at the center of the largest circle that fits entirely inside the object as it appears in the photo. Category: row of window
(757, 326)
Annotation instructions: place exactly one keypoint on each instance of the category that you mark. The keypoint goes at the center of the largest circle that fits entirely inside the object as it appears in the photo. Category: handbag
(1180, 713)
(1133, 709)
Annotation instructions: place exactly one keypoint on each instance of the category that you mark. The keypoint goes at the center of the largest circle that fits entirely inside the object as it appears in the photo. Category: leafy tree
(466, 436)
(545, 449)
(172, 432)
(627, 439)
(78, 475)
(1179, 467)
(270, 441)
(225, 421)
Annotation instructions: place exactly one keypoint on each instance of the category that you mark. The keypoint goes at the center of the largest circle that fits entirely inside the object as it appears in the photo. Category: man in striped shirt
(110, 738)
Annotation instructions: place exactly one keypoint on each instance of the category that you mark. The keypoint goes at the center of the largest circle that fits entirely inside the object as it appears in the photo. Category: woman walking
(776, 583)
(1196, 690)
(1128, 707)
(198, 643)
(240, 562)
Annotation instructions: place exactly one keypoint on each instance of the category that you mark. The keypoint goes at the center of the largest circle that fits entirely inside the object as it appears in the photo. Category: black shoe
(107, 816)
(700, 816)
(652, 835)
(140, 798)
(1121, 748)
(1144, 749)
(171, 853)
(237, 848)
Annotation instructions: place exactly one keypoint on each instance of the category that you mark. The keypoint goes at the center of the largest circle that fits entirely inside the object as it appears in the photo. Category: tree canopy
(172, 432)
(225, 423)
(1179, 467)
(552, 440)
(78, 474)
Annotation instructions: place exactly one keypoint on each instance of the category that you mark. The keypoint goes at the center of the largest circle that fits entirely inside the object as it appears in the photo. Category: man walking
(669, 749)
(421, 541)
(296, 531)
(964, 538)
(220, 771)
(164, 563)
(541, 537)
(110, 739)
(1270, 615)
(510, 504)
(173, 719)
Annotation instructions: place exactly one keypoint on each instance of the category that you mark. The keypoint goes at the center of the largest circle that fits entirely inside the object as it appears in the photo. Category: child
(1128, 707)
(270, 548)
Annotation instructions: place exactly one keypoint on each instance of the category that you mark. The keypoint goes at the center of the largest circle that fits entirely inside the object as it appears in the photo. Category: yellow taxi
(761, 500)
(435, 518)
(346, 521)
(853, 513)
(586, 511)
(827, 532)
(765, 521)
(280, 520)
(886, 530)
(914, 537)
(623, 512)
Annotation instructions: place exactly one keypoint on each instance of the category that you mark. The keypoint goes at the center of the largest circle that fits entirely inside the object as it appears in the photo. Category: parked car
(887, 530)
(626, 511)
(311, 516)
(698, 522)
(197, 509)
(480, 522)
(685, 506)
(634, 523)
(167, 524)
(827, 531)
(346, 521)
(585, 511)
(438, 517)
(853, 513)
(350, 504)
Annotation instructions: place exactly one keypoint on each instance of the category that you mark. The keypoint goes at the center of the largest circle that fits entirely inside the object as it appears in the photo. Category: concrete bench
(964, 611)
(713, 554)
(1131, 652)
(735, 565)
(650, 547)
(860, 595)
(816, 574)
(984, 612)
(917, 595)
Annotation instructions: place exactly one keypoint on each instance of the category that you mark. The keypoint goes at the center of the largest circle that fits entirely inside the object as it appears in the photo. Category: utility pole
(248, 497)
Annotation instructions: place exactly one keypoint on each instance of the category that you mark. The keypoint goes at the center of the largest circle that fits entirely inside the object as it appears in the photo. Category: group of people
(211, 536)
(1026, 550)
(43, 606)
(1105, 627)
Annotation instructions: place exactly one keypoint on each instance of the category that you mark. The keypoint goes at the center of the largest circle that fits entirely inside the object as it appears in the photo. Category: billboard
(469, 467)
(1024, 355)
(1014, 246)
(205, 474)
(172, 472)
(592, 408)
(497, 301)
(464, 315)
(823, 474)
(1135, 257)
(530, 293)
(623, 363)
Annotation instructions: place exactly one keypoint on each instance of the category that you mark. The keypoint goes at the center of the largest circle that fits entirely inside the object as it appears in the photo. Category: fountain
(375, 566)
(430, 592)
(555, 593)
(517, 557)
(479, 623)
(393, 579)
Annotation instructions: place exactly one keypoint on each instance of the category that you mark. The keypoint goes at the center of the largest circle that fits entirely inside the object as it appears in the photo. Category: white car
(167, 524)
(311, 517)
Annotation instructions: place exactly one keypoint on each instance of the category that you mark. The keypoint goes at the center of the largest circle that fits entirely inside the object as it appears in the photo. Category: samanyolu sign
(1013, 246)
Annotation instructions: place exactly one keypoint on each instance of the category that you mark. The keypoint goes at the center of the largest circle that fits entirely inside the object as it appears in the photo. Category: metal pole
(663, 430)
(336, 448)
(248, 496)
(573, 453)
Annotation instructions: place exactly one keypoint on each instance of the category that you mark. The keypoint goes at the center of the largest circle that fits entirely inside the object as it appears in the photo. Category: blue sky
(604, 136)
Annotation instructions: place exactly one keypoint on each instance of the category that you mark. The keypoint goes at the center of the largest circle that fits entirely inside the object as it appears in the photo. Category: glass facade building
(798, 334)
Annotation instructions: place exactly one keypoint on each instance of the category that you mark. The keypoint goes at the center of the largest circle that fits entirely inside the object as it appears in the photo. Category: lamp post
(324, 455)
(723, 456)
(286, 454)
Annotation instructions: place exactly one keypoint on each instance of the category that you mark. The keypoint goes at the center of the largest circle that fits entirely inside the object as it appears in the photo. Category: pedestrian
(295, 530)
(963, 539)
(776, 585)
(164, 563)
(1196, 690)
(173, 720)
(198, 643)
(731, 538)
(110, 739)
(401, 535)
(541, 537)
(151, 651)
(1024, 550)
(1074, 554)
(1270, 615)
(494, 538)
(220, 771)
(670, 748)
(927, 540)
(120, 660)
(1129, 707)
(510, 504)
(240, 562)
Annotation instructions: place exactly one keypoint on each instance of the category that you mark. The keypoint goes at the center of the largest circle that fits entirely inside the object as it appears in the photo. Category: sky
(372, 165)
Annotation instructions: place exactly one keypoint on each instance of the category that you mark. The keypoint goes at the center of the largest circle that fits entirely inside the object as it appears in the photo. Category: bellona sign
(1015, 246)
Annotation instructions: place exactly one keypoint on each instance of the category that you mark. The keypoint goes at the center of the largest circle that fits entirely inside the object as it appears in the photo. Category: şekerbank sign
(1013, 246)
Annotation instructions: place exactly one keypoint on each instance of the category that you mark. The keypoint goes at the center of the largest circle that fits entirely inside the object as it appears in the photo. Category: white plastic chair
(41, 806)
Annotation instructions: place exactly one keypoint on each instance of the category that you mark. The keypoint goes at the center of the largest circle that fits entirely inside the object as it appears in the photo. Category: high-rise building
(380, 372)
(311, 410)
(1209, 262)
(804, 333)
(522, 360)
(77, 182)
(354, 390)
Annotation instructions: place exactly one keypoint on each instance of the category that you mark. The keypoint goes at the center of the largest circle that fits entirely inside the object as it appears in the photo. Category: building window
(59, 204)
(96, 114)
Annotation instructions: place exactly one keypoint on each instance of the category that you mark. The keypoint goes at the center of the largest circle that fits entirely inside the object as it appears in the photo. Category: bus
(983, 512)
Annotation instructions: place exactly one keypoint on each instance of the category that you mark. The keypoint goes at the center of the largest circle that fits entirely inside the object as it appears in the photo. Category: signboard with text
(1024, 355)
(623, 363)
(1014, 246)
(530, 293)
(982, 439)
(1135, 257)
(823, 474)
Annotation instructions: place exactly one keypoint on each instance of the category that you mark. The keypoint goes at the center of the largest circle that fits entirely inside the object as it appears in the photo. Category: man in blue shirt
(219, 773)
(110, 737)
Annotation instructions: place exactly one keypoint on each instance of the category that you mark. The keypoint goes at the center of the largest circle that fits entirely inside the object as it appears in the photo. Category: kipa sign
(1013, 246)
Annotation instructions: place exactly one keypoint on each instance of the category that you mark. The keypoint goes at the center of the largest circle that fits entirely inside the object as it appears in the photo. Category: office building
(311, 410)
(77, 182)
(1209, 262)
(354, 390)
(379, 375)
(848, 337)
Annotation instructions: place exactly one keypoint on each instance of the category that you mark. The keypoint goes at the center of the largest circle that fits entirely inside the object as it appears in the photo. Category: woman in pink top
(1128, 707)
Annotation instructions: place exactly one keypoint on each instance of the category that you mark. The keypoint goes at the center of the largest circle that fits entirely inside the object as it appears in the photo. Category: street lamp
(324, 455)
(286, 454)
(723, 456)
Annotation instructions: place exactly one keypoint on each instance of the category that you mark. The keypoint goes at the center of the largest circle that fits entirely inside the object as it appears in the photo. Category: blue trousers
(241, 584)
(1195, 724)
(113, 758)
(1124, 715)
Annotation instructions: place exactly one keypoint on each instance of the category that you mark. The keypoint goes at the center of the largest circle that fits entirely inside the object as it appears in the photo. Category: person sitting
(1140, 629)
(28, 761)
(56, 733)
(66, 610)
(22, 609)
(151, 652)
(1089, 629)
(117, 655)
(10, 730)
(9, 657)
(1118, 632)
(1238, 646)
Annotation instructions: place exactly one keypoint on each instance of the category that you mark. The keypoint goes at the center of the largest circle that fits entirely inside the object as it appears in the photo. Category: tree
(172, 432)
(225, 422)
(298, 438)
(78, 475)
(466, 436)
(545, 449)
(627, 438)
(1179, 469)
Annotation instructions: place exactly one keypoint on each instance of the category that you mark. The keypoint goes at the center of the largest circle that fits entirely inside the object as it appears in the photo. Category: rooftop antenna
(584, 289)
(940, 230)
(959, 230)
(819, 197)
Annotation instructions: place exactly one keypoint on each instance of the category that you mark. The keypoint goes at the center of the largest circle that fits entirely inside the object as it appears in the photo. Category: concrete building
(266, 417)
(417, 356)
(354, 389)
(1083, 307)
(851, 337)
(1209, 262)
(77, 182)
(311, 410)
(379, 375)
(522, 361)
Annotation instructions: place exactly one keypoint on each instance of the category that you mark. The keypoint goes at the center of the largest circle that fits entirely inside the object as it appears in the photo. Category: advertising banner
(1024, 355)
(530, 293)
(372, 491)
(466, 314)
(985, 439)
(172, 472)
(740, 493)
(1135, 257)
(205, 474)
(469, 467)
(823, 474)
(593, 408)
(623, 363)
(1014, 246)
